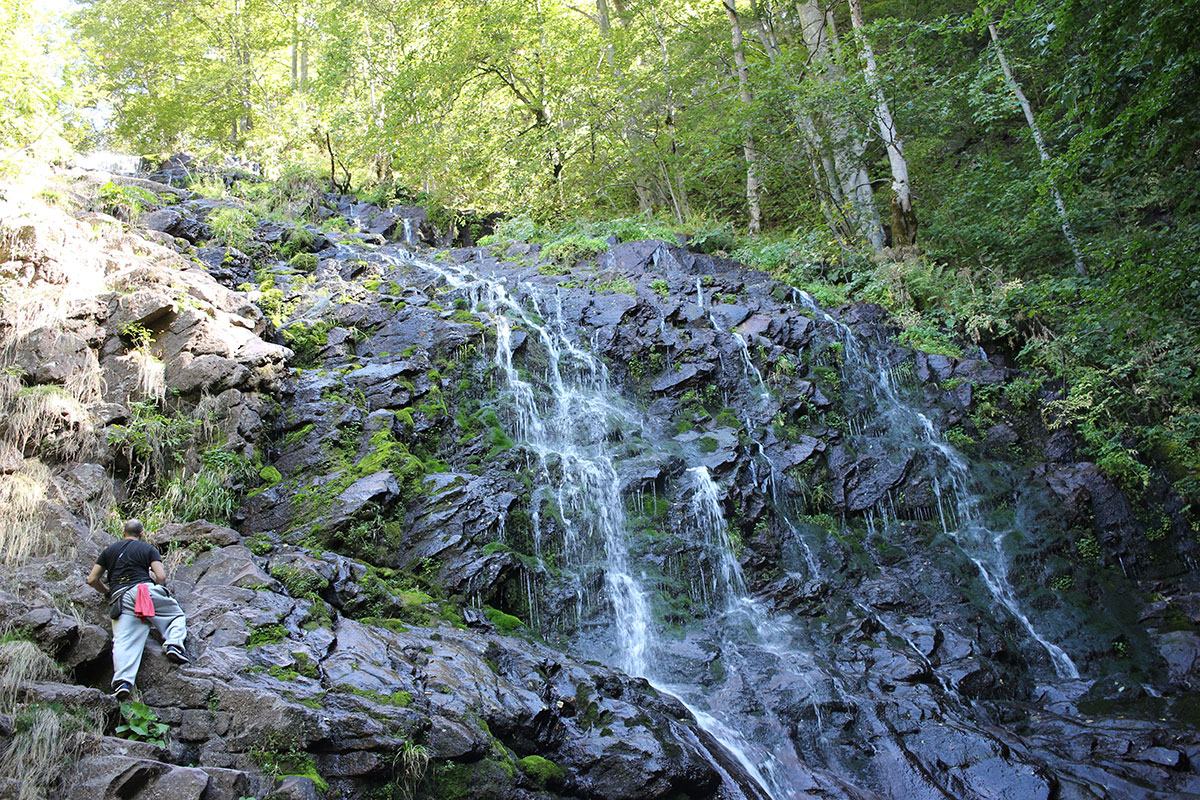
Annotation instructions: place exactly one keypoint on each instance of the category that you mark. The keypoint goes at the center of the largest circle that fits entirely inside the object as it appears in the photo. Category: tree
(751, 152)
(904, 221)
(1039, 142)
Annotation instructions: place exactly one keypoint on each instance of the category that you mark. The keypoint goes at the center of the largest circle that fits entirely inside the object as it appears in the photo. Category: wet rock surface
(399, 605)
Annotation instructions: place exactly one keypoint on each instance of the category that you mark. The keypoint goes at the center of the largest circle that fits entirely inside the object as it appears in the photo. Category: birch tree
(1040, 143)
(847, 145)
(904, 220)
(748, 146)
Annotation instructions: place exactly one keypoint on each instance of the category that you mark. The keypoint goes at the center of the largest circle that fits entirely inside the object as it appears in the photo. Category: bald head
(133, 528)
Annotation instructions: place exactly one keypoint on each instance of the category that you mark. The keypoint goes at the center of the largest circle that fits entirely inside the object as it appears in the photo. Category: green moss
(505, 623)
(452, 781)
(400, 699)
(298, 435)
(542, 771)
(616, 286)
(298, 581)
(298, 241)
(468, 318)
(266, 634)
(292, 761)
(307, 341)
(270, 476)
(304, 262)
(303, 669)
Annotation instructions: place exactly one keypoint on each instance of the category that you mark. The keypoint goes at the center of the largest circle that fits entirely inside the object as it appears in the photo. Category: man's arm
(94, 579)
(156, 569)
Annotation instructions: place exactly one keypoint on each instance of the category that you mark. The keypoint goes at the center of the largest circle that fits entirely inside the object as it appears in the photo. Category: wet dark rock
(228, 266)
(295, 787)
(1180, 650)
(1167, 757)
(173, 222)
(684, 376)
(729, 316)
(226, 566)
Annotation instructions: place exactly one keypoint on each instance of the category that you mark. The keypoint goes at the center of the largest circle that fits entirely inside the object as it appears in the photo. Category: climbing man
(138, 597)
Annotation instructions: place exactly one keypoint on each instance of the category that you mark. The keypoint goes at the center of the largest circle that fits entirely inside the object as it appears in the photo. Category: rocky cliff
(476, 522)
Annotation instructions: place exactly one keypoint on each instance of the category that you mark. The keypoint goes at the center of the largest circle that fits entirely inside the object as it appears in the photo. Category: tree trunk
(295, 53)
(1015, 88)
(748, 147)
(904, 221)
(846, 146)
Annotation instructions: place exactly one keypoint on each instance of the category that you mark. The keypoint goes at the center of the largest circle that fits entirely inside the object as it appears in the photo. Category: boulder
(173, 222)
(201, 532)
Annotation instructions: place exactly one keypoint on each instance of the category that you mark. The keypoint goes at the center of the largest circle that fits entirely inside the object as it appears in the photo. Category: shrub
(570, 249)
(126, 202)
(233, 226)
(519, 228)
(141, 724)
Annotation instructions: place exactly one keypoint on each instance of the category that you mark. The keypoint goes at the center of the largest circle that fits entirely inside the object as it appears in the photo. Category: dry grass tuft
(151, 372)
(46, 743)
(22, 495)
(21, 662)
(53, 417)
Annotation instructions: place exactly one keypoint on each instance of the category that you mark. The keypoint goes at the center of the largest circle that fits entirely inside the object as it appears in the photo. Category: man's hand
(94, 581)
(156, 569)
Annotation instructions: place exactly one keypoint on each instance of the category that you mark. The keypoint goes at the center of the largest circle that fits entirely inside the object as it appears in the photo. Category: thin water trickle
(965, 523)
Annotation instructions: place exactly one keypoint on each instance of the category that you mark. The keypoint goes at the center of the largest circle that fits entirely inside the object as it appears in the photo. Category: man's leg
(129, 639)
(168, 617)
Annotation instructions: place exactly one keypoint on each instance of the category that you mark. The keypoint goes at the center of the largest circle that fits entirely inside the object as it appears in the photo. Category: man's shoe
(122, 691)
(175, 653)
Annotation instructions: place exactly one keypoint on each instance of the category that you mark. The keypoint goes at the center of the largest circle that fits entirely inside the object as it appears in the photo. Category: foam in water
(105, 161)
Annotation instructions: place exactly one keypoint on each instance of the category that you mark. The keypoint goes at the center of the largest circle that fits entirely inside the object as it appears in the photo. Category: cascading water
(823, 685)
(565, 425)
(566, 421)
(959, 506)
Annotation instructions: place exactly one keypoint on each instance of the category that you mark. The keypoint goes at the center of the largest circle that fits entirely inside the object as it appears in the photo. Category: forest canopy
(1020, 175)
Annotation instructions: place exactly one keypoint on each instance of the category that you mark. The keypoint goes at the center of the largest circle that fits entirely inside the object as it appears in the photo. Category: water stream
(579, 432)
(959, 505)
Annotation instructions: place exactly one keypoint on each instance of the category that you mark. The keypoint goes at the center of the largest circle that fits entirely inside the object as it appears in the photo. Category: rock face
(443, 527)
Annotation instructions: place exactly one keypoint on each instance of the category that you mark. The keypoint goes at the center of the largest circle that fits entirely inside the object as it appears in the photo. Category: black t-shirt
(132, 567)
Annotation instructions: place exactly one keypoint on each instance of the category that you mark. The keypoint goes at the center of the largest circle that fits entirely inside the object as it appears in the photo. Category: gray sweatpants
(130, 632)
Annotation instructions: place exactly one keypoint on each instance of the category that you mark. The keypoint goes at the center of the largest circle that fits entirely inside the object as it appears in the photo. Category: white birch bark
(847, 146)
(905, 220)
(748, 147)
(1043, 153)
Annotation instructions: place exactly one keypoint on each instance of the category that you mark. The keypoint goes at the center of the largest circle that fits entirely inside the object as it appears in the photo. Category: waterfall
(963, 521)
(704, 510)
(408, 230)
(105, 161)
(565, 423)
(563, 419)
